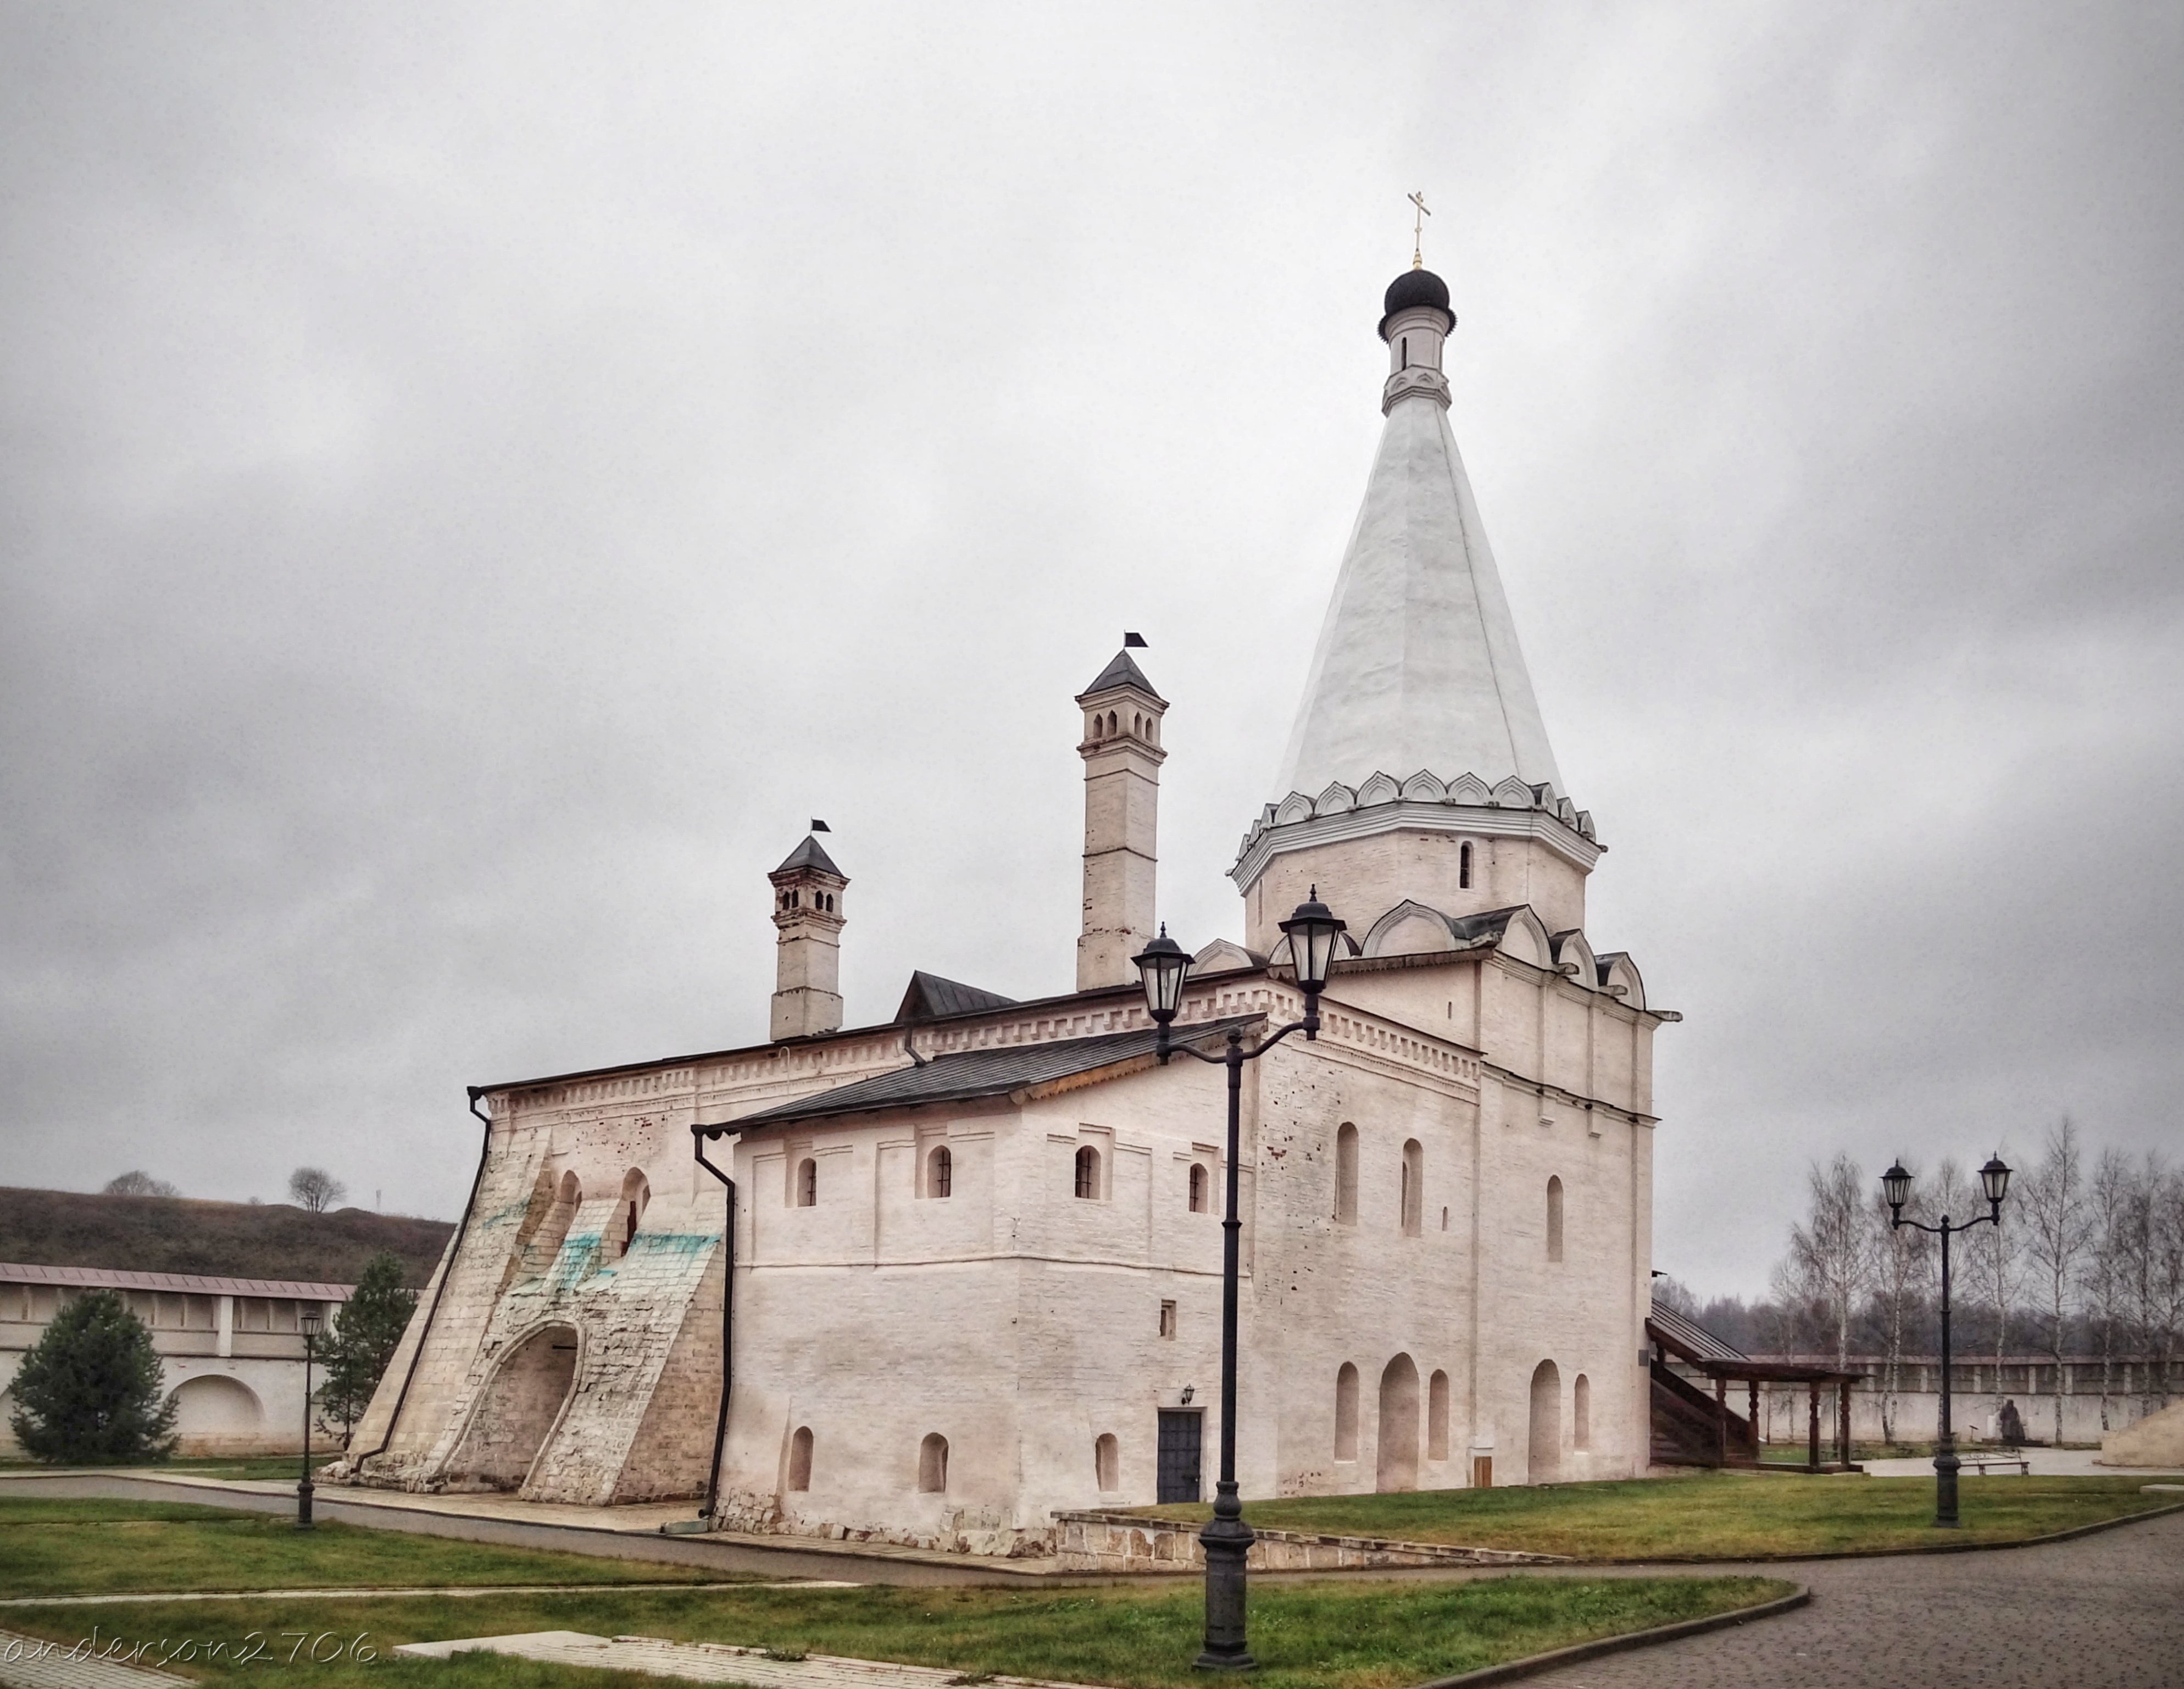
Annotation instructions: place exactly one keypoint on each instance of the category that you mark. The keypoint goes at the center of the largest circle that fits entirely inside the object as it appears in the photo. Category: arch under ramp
(517, 1410)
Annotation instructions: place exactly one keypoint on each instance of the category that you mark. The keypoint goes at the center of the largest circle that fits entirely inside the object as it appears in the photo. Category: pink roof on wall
(104, 1279)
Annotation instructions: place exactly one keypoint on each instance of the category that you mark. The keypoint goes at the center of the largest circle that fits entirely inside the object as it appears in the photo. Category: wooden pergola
(1736, 1443)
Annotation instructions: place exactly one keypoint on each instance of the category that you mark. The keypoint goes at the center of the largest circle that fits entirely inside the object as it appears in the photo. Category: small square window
(1168, 1319)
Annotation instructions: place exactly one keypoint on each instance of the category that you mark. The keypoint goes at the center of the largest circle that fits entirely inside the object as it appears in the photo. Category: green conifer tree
(89, 1391)
(366, 1334)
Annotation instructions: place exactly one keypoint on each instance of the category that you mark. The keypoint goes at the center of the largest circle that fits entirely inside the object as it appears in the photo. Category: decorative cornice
(1415, 382)
(1383, 804)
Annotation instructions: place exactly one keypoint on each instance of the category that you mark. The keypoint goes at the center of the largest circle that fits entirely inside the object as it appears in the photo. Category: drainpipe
(462, 1226)
(698, 1134)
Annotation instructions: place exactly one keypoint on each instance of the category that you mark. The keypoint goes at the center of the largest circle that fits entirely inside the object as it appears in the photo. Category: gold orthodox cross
(1418, 231)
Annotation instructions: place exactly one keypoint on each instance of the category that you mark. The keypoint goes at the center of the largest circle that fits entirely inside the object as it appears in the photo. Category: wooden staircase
(1691, 1428)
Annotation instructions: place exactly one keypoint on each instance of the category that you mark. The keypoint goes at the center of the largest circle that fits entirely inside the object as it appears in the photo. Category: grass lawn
(280, 1467)
(1331, 1635)
(1709, 1516)
(94, 1548)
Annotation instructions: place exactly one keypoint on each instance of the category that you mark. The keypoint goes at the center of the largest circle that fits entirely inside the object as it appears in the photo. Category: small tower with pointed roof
(808, 919)
(1122, 757)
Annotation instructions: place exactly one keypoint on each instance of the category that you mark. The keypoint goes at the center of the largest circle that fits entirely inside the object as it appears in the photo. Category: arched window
(933, 1464)
(1414, 1183)
(1346, 1175)
(636, 1194)
(1108, 1462)
(1114, 722)
(1346, 1413)
(1197, 1188)
(1405, 345)
(799, 1458)
(1463, 865)
(940, 1172)
(807, 1183)
(1581, 1413)
(554, 1231)
(1088, 1172)
(1437, 1416)
(1554, 1219)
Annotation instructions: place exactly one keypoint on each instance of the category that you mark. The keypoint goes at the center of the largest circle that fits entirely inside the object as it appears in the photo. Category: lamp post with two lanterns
(1896, 1186)
(1312, 931)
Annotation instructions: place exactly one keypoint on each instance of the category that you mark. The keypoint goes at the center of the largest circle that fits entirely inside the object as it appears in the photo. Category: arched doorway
(1544, 1455)
(517, 1410)
(1397, 1465)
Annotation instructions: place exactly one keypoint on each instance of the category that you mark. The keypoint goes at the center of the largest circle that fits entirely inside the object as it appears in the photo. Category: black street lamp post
(1896, 1186)
(1313, 932)
(310, 1323)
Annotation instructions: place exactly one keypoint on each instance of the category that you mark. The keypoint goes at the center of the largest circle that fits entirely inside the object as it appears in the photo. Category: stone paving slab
(34, 1663)
(712, 1662)
(2099, 1612)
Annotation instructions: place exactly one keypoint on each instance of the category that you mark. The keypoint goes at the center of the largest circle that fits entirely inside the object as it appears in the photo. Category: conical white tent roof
(1417, 665)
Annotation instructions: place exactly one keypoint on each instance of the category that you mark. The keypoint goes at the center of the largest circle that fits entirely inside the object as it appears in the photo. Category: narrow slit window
(1197, 1188)
(807, 1183)
(1168, 1319)
(1554, 1219)
(1088, 1174)
(940, 1172)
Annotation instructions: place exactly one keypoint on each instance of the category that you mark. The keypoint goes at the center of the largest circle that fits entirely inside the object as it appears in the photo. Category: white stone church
(939, 1278)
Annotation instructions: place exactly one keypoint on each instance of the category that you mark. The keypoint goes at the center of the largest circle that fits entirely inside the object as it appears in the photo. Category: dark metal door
(1179, 1438)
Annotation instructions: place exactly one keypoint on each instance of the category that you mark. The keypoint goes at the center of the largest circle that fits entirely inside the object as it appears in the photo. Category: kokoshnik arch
(964, 1261)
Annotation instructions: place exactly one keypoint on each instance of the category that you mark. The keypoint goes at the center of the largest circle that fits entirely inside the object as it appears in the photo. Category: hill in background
(233, 1240)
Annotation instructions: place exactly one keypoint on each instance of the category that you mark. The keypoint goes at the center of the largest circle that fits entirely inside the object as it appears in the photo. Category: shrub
(89, 1391)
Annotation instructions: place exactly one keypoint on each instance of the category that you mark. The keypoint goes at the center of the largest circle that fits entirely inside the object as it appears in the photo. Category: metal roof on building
(969, 1074)
(1686, 1336)
(174, 1283)
(930, 997)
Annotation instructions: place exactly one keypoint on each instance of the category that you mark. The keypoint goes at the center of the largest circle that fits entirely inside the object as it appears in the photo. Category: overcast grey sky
(478, 479)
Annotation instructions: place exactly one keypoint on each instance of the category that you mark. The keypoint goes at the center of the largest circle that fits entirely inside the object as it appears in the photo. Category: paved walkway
(33, 1663)
(2101, 1612)
(2047, 1462)
(714, 1662)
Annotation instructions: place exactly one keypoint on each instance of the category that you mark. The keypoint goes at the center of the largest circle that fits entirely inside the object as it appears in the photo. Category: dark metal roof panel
(1122, 671)
(968, 1074)
(810, 854)
(1687, 1337)
(930, 997)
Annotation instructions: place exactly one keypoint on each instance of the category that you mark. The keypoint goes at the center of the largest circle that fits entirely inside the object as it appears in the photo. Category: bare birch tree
(1831, 1253)
(2107, 1272)
(2166, 1244)
(1903, 1269)
(1996, 1257)
(2057, 1227)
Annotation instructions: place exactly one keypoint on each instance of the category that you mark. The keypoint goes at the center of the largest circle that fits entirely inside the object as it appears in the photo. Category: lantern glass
(1313, 932)
(1163, 968)
(311, 1322)
(1995, 1176)
(1896, 1183)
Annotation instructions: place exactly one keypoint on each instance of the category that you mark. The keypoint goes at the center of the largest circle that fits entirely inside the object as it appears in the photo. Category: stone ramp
(34, 1663)
(712, 1663)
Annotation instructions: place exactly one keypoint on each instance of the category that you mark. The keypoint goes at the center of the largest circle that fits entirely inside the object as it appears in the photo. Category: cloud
(477, 482)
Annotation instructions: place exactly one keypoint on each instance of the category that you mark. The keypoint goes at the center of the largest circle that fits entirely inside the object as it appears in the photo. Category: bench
(1982, 1462)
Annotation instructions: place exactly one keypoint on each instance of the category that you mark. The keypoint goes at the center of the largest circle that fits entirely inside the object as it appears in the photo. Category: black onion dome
(1413, 289)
